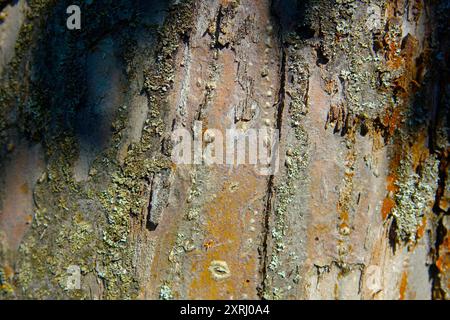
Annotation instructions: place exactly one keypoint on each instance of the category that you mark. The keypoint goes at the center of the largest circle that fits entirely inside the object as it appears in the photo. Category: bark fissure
(280, 105)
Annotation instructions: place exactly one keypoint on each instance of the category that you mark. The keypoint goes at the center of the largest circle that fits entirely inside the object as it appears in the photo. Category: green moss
(124, 194)
(165, 293)
(296, 162)
(14, 81)
(77, 223)
(159, 79)
(416, 193)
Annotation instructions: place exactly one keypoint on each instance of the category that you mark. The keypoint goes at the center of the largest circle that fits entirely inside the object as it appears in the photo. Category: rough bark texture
(358, 89)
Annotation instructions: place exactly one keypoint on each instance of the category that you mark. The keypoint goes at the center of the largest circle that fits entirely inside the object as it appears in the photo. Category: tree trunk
(357, 208)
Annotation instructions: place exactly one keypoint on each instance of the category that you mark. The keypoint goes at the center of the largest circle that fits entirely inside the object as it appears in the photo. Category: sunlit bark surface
(358, 91)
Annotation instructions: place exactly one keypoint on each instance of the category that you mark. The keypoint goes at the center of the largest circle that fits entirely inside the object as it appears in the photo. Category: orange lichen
(392, 120)
(228, 220)
(388, 202)
(422, 227)
(403, 285)
(225, 224)
(391, 186)
(343, 225)
(29, 219)
(444, 204)
(443, 262)
(343, 215)
(388, 205)
(208, 244)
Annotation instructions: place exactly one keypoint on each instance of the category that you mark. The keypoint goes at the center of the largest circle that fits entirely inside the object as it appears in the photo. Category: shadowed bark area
(357, 208)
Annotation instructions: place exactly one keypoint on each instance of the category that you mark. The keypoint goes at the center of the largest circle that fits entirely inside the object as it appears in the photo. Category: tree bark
(358, 91)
